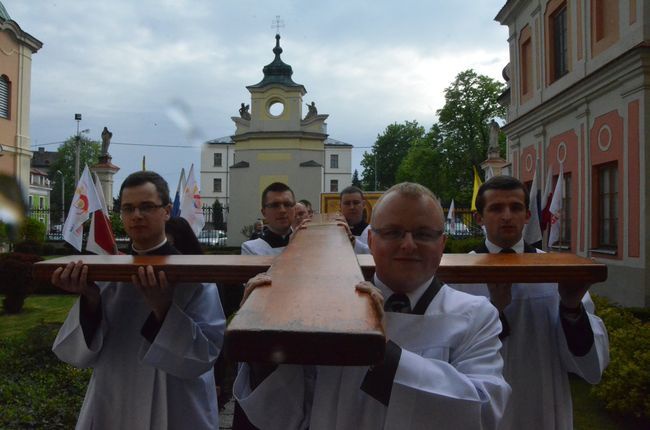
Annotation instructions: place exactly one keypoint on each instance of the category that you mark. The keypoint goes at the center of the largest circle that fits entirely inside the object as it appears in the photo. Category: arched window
(5, 92)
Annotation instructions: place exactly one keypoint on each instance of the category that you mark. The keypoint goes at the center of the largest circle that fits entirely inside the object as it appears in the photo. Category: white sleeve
(246, 249)
(70, 345)
(279, 402)
(469, 391)
(190, 337)
(590, 367)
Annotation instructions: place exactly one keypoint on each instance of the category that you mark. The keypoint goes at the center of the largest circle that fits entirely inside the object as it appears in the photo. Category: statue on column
(493, 145)
(106, 141)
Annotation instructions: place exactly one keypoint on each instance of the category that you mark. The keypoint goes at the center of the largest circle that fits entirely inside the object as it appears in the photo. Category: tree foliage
(381, 164)
(88, 154)
(217, 215)
(355, 179)
(443, 162)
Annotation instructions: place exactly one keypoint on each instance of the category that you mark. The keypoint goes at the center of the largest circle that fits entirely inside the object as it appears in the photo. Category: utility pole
(77, 118)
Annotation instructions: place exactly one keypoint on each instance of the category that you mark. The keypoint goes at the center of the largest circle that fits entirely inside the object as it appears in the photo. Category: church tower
(274, 143)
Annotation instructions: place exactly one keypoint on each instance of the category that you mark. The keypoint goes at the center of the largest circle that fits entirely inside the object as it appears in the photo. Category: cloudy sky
(127, 64)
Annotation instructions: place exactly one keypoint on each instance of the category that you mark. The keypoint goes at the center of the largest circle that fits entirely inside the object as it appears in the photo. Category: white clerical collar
(495, 249)
(146, 251)
(413, 296)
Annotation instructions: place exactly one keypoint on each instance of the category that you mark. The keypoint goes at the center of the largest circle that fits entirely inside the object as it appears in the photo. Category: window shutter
(4, 97)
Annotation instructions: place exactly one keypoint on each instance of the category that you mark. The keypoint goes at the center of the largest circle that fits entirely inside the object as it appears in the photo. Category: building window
(217, 159)
(31, 201)
(565, 215)
(526, 61)
(41, 202)
(607, 205)
(216, 185)
(334, 186)
(559, 44)
(334, 161)
(5, 96)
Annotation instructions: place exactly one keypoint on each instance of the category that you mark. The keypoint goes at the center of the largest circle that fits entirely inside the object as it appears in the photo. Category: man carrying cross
(441, 367)
(151, 344)
(549, 329)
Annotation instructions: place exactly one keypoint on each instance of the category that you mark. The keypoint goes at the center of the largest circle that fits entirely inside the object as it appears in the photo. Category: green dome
(3, 13)
(277, 72)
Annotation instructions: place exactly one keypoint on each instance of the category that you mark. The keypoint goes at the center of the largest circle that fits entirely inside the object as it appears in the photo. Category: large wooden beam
(311, 313)
(236, 269)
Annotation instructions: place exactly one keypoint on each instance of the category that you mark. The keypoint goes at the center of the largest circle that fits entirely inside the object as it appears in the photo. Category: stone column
(105, 171)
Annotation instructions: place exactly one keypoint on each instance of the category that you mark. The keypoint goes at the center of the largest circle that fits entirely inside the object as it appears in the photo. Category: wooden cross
(312, 313)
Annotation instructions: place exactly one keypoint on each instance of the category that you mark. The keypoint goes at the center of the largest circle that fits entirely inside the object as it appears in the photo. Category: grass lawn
(38, 309)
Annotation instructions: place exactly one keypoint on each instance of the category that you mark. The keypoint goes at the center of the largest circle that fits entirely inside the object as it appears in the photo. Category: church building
(579, 89)
(273, 142)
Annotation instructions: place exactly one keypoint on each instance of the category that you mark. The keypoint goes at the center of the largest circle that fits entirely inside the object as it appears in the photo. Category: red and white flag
(547, 197)
(556, 210)
(101, 239)
(84, 203)
(191, 207)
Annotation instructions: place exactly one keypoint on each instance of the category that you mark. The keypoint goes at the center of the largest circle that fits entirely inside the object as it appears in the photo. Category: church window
(5, 93)
(557, 26)
(276, 108)
(216, 185)
(217, 159)
(334, 186)
(604, 25)
(526, 62)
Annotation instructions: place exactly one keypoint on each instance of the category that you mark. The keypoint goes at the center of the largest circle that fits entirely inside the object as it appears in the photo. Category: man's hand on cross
(74, 279)
(259, 280)
(376, 298)
(157, 293)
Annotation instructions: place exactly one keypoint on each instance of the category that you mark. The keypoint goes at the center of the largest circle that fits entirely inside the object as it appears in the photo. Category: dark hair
(500, 183)
(276, 187)
(183, 236)
(305, 202)
(144, 176)
(351, 190)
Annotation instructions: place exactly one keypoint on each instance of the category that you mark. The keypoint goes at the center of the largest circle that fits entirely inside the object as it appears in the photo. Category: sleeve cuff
(89, 320)
(505, 326)
(378, 381)
(577, 330)
(150, 328)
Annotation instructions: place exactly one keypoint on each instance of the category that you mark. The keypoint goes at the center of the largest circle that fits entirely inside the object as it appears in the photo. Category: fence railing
(214, 233)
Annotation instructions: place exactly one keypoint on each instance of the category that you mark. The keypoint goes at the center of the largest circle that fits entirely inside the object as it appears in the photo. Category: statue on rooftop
(106, 140)
(243, 111)
(312, 110)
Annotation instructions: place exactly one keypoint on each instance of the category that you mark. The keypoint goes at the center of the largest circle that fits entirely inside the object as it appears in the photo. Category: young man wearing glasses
(151, 344)
(442, 367)
(278, 209)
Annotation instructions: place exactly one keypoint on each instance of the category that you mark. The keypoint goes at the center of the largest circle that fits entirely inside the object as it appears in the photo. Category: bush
(462, 246)
(625, 387)
(36, 389)
(32, 230)
(16, 279)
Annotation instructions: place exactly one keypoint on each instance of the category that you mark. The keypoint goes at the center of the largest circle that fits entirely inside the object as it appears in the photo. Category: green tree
(355, 179)
(463, 123)
(89, 154)
(380, 165)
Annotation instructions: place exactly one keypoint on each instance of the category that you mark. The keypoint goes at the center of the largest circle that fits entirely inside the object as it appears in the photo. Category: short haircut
(276, 187)
(351, 190)
(305, 202)
(183, 236)
(409, 190)
(501, 182)
(142, 177)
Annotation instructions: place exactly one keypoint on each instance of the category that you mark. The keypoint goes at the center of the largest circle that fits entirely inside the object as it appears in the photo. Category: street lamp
(62, 196)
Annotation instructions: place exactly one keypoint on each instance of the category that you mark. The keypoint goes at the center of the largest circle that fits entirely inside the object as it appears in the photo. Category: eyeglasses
(424, 235)
(144, 209)
(278, 205)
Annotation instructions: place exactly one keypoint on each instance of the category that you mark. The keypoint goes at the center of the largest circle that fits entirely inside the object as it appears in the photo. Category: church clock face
(275, 107)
